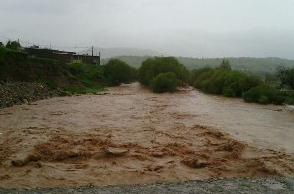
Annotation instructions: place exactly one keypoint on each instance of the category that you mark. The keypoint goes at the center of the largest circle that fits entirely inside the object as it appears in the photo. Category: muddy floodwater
(129, 135)
(264, 126)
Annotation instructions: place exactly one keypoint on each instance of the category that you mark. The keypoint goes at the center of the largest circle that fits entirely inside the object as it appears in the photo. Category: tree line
(166, 74)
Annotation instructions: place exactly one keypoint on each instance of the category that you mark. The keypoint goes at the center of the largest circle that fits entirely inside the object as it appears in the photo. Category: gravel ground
(12, 93)
(244, 185)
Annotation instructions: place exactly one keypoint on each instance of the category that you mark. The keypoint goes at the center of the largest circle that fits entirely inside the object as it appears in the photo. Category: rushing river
(265, 126)
(130, 135)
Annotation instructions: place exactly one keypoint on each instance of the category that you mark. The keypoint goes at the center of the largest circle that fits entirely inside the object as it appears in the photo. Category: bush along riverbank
(162, 74)
(231, 83)
(166, 74)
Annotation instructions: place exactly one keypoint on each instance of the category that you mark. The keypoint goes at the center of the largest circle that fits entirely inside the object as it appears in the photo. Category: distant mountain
(268, 64)
(114, 52)
(260, 65)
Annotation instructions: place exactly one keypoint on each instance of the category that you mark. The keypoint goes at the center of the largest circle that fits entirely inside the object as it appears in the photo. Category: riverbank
(16, 93)
(227, 186)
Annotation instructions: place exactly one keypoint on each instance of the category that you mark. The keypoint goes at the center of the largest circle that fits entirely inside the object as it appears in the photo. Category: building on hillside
(64, 56)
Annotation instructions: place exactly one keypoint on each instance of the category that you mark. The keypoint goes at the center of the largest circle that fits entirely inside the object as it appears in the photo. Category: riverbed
(128, 135)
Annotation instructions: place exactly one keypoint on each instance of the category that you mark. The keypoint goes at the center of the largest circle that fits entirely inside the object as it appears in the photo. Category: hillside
(244, 63)
(16, 66)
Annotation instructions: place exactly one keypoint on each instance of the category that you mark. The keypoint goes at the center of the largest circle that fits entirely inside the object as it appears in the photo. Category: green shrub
(229, 92)
(152, 67)
(250, 82)
(286, 77)
(227, 82)
(195, 74)
(225, 65)
(264, 94)
(165, 82)
(263, 100)
(14, 45)
(199, 78)
(288, 97)
(119, 72)
(91, 77)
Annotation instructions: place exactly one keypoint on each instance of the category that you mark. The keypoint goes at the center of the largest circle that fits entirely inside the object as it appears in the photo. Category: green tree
(151, 67)
(217, 81)
(119, 72)
(264, 94)
(270, 78)
(14, 45)
(165, 82)
(286, 76)
(225, 65)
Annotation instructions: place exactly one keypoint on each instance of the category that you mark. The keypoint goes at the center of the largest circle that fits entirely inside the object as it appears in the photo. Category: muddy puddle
(128, 135)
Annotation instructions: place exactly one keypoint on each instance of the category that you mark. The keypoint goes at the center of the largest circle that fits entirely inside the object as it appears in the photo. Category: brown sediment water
(129, 135)
(264, 126)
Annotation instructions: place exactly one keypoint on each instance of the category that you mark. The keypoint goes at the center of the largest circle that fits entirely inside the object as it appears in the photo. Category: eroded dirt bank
(129, 135)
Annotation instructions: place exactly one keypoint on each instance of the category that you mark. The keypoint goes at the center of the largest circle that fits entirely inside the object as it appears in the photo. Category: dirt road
(129, 135)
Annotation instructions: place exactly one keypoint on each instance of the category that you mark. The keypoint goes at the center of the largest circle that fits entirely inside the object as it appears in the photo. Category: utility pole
(93, 61)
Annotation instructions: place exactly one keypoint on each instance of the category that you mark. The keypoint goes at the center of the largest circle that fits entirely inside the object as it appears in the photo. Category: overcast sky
(196, 28)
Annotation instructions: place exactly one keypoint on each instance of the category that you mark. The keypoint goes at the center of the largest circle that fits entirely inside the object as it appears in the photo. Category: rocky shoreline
(226, 186)
(16, 93)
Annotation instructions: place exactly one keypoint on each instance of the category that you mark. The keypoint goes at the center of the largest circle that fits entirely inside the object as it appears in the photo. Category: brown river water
(129, 135)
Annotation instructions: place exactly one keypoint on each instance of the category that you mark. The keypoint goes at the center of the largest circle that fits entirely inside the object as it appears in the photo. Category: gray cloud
(198, 28)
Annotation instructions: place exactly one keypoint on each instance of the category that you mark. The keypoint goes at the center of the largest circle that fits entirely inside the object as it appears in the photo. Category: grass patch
(12, 53)
(49, 81)
(89, 75)
(92, 78)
